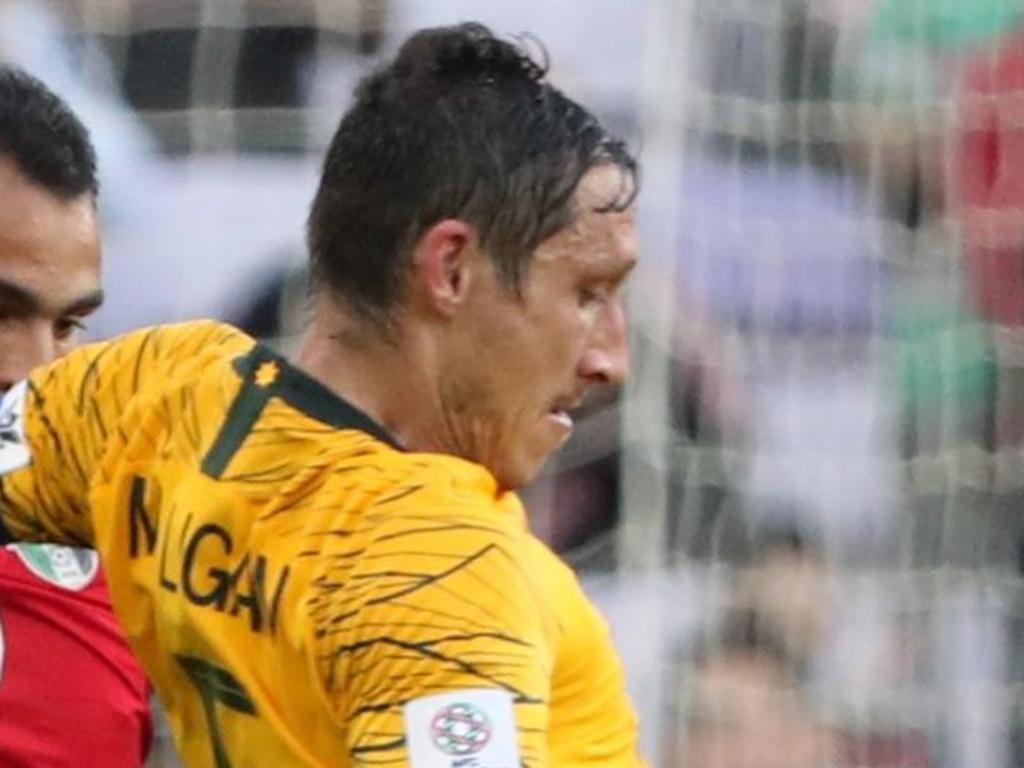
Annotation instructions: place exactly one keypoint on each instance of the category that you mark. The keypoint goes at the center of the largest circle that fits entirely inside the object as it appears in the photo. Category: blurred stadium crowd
(841, 548)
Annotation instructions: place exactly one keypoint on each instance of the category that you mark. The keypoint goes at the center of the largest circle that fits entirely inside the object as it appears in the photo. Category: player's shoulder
(180, 354)
(155, 351)
(443, 507)
(446, 488)
(561, 580)
(584, 644)
(187, 340)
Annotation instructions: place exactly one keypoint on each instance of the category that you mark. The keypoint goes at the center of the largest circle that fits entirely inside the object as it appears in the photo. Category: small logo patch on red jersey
(67, 567)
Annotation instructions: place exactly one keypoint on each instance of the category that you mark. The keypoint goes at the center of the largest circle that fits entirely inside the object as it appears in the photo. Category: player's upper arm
(57, 427)
(595, 722)
(440, 649)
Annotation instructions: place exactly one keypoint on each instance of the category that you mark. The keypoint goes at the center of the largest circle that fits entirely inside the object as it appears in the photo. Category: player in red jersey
(71, 693)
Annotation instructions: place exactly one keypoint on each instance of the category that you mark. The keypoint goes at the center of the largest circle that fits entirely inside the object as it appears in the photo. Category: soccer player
(71, 693)
(322, 562)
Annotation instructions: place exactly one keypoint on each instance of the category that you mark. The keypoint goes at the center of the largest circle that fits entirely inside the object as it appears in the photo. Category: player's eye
(66, 327)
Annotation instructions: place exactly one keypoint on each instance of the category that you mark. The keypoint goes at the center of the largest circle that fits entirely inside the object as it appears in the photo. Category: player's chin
(523, 468)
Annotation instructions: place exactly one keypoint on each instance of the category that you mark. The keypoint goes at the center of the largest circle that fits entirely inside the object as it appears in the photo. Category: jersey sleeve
(441, 649)
(58, 426)
(596, 724)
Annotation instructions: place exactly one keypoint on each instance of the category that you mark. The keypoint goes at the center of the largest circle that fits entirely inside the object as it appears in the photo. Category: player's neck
(386, 377)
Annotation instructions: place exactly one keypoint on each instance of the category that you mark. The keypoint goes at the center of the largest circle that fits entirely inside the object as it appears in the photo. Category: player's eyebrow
(19, 301)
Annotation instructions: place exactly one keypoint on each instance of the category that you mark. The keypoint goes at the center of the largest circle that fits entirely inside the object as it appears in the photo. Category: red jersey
(989, 179)
(71, 692)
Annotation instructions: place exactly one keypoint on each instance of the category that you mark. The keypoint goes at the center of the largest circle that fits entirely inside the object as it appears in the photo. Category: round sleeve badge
(460, 730)
(469, 726)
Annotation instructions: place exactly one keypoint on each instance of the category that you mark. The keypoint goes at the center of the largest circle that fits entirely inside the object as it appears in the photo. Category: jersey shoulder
(176, 351)
(440, 507)
(110, 373)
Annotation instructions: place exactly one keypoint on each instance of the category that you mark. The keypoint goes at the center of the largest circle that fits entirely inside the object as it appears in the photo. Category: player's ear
(443, 261)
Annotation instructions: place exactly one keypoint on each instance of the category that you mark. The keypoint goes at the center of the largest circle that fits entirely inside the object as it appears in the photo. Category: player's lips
(561, 411)
(562, 418)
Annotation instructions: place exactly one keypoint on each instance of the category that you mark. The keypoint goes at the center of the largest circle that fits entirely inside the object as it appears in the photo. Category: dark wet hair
(460, 125)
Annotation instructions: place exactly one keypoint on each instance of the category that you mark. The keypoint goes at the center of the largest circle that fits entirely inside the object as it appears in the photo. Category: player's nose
(606, 358)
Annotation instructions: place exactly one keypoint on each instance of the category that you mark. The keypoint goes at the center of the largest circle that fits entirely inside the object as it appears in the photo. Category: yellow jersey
(300, 589)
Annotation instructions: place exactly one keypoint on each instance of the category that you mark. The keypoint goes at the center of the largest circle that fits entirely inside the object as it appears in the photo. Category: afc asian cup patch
(460, 729)
(14, 452)
(472, 728)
